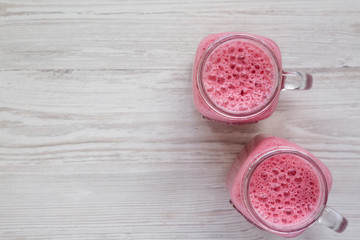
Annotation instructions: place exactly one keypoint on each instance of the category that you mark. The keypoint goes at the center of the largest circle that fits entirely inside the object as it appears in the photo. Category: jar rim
(210, 103)
(323, 191)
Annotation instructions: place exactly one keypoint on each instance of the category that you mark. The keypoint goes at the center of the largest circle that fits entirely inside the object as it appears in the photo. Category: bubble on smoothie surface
(292, 198)
(239, 76)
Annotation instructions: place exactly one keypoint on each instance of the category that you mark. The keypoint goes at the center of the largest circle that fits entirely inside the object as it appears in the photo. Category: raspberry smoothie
(278, 186)
(237, 77)
(285, 190)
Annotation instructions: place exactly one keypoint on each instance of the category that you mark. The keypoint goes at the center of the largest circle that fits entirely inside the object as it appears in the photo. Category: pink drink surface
(239, 76)
(284, 190)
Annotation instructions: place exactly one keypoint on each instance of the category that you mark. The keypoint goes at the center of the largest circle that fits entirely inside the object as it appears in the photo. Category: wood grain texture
(99, 138)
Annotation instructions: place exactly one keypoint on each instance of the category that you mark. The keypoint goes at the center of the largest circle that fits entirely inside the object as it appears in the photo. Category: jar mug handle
(333, 220)
(296, 81)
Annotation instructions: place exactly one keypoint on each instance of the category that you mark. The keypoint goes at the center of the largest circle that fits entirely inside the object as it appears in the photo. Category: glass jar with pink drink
(282, 188)
(237, 77)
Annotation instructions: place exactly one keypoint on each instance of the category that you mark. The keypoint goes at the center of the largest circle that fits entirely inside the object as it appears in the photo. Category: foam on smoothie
(284, 190)
(239, 76)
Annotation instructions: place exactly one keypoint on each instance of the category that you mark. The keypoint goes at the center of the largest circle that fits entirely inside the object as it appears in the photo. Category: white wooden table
(99, 138)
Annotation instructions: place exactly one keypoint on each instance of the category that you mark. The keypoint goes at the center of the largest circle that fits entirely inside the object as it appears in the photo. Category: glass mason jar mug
(237, 77)
(281, 188)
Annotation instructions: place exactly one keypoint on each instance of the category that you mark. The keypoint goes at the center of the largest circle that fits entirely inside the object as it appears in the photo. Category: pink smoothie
(236, 78)
(239, 76)
(284, 190)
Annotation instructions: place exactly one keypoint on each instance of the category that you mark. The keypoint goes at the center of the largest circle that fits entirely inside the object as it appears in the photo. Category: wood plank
(154, 35)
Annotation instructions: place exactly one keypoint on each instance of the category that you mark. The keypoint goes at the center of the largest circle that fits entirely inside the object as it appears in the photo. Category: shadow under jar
(237, 77)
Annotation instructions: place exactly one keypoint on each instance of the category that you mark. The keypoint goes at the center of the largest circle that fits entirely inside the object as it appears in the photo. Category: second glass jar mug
(282, 188)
